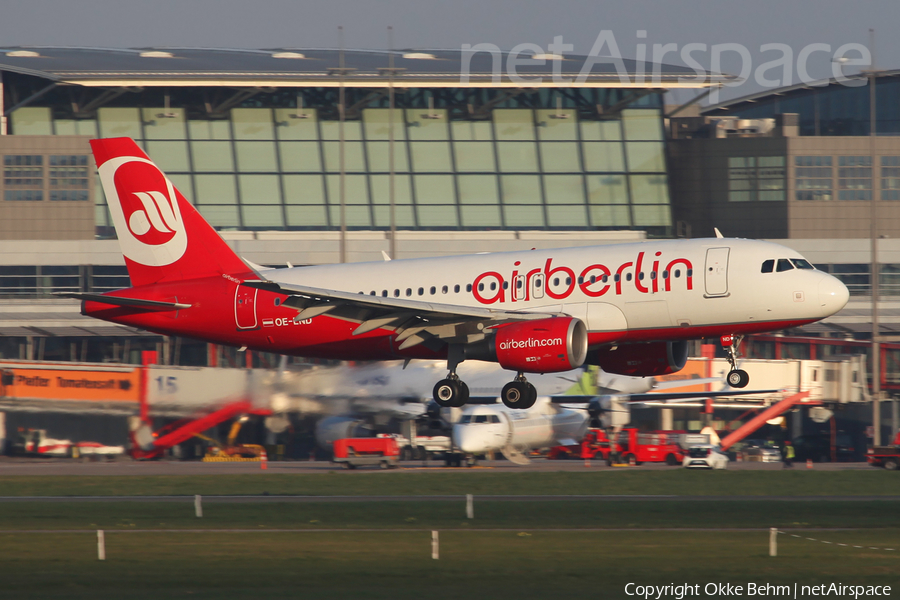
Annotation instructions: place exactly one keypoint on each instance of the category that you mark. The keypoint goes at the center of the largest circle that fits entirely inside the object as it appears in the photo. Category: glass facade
(854, 177)
(756, 178)
(831, 110)
(890, 177)
(516, 165)
(813, 178)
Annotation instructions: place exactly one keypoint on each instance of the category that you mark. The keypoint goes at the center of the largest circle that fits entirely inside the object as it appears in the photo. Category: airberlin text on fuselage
(594, 280)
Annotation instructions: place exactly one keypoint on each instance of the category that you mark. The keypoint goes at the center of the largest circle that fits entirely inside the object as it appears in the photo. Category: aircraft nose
(467, 440)
(833, 294)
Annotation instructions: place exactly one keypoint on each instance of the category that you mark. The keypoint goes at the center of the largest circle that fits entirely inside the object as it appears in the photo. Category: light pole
(876, 333)
(341, 189)
(393, 246)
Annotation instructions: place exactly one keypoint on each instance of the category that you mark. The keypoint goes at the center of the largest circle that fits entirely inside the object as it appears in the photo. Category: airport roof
(855, 80)
(316, 67)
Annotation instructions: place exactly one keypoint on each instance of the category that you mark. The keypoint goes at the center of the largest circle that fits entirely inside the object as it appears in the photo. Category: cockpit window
(801, 263)
(481, 418)
(768, 266)
(784, 265)
(495, 419)
(465, 420)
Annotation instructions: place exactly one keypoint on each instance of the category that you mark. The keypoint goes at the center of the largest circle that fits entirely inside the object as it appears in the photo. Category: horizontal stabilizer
(120, 301)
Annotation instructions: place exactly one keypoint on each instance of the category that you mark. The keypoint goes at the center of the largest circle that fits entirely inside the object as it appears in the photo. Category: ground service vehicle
(886, 456)
(634, 447)
(760, 451)
(355, 452)
(595, 443)
(424, 446)
(34, 442)
(705, 456)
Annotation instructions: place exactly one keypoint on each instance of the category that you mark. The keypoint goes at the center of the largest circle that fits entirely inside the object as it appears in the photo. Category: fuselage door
(518, 292)
(537, 286)
(716, 272)
(245, 307)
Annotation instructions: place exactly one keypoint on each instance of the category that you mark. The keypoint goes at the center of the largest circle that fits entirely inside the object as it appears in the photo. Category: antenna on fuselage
(718, 233)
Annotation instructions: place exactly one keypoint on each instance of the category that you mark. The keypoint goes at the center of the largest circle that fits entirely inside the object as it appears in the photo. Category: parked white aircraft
(556, 421)
(628, 308)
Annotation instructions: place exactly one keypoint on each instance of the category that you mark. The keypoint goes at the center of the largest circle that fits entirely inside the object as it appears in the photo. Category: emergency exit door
(716, 272)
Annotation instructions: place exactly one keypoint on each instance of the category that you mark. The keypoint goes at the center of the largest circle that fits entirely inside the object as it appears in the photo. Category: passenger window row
(537, 282)
(785, 264)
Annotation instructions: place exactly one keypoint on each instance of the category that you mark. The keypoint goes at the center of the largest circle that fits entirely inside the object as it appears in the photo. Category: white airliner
(628, 308)
(555, 422)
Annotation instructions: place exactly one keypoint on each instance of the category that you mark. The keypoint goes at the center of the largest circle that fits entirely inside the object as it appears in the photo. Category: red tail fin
(162, 236)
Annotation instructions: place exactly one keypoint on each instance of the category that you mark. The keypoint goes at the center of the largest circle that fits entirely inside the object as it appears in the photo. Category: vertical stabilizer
(162, 236)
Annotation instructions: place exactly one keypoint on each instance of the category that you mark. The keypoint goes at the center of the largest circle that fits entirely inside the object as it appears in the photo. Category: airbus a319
(629, 308)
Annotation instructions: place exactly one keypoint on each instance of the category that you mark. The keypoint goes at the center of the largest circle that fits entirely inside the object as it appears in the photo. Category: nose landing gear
(737, 378)
(518, 393)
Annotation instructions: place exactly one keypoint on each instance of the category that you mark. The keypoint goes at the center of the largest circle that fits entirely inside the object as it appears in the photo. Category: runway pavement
(125, 466)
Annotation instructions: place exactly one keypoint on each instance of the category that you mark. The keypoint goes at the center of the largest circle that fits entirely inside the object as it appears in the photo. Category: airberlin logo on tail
(157, 214)
(145, 211)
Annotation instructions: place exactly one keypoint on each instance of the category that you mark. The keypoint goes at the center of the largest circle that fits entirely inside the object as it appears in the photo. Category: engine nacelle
(642, 360)
(543, 346)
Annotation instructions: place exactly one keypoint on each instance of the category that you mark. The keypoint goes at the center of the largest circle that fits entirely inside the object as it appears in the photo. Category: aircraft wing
(661, 396)
(416, 321)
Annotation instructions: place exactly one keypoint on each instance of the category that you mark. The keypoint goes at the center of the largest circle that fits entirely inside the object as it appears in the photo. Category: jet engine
(642, 360)
(543, 346)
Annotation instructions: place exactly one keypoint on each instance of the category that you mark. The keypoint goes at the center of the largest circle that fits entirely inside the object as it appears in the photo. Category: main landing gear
(736, 378)
(518, 393)
(452, 392)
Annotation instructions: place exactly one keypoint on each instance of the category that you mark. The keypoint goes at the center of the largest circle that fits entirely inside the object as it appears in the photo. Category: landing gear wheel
(518, 395)
(449, 393)
(463, 395)
(446, 392)
(738, 378)
(532, 394)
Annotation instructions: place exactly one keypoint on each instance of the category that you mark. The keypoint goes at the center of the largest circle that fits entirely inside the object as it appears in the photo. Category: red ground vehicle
(594, 443)
(354, 452)
(634, 447)
(886, 456)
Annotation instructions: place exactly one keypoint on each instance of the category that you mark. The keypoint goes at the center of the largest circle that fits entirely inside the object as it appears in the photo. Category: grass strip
(398, 565)
(459, 482)
(446, 515)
